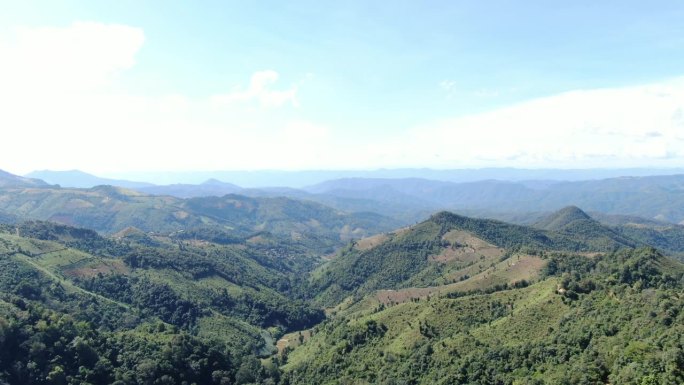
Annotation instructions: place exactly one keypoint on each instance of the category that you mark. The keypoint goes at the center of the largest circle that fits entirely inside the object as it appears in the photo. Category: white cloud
(603, 127)
(447, 85)
(259, 90)
(82, 56)
(62, 107)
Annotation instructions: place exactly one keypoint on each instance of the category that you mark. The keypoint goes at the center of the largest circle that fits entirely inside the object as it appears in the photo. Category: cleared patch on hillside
(128, 232)
(76, 203)
(466, 247)
(257, 239)
(292, 340)
(181, 214)
(95, 268)
(371, 242)
(509, 271)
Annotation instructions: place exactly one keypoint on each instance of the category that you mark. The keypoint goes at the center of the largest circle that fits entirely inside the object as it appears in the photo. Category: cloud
(64, 107)
(602, 127)
(447, 85)
(84, 55)
(487, 93)
(259, 90)
(62, 101)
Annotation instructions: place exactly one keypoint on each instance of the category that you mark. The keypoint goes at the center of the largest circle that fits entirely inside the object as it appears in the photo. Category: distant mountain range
(301, 179)
(655, 197)
(80, 179)
(211, 187)
(111, 209)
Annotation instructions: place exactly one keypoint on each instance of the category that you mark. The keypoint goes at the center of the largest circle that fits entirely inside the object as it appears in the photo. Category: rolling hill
(449, 300)
(109, 209)
(211, 187)
(614, 318)
(449, 251)
(81, 298)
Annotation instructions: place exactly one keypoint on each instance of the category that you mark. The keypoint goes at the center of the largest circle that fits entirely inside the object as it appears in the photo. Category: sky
(130, 86)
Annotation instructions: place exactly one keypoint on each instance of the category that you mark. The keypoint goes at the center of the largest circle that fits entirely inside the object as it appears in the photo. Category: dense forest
(238, 290)
(612, 319)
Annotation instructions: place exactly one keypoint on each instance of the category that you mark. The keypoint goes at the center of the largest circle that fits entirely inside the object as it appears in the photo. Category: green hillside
(220, 304)
(110, 209)
(448, 249)
(574, 222)
(622, 229)
(244, 297)
(613, 319)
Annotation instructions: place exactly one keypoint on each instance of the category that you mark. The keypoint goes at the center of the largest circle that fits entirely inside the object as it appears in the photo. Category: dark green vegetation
(406, 259)
(628, 230)
(79, 308)
(613, 319)
(198, 291)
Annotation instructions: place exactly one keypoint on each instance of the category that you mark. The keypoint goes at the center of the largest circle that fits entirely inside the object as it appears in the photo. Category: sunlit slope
(192, 288)
(110, 209)
(444, 252)
(614, 319)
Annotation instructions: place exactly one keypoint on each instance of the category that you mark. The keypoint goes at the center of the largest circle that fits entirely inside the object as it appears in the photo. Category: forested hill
(473, 301)
(244, 290)
(110, 209)
(448, 248)
(615, 318)
(79, 308)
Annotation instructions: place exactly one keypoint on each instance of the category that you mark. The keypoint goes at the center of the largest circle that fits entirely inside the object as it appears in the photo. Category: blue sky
(367, 84)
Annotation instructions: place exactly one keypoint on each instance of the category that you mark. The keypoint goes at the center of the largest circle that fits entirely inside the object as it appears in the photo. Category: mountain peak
(216, 182)
(562, 218)
(573, 211)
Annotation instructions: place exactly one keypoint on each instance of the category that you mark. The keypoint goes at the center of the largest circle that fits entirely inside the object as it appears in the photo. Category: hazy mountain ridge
(301, 179)
(655, 197)
(11, 180)
(80, 179)
(111, 209)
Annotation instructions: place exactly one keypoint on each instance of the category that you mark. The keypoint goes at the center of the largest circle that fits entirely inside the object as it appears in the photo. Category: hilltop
(450, 252)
